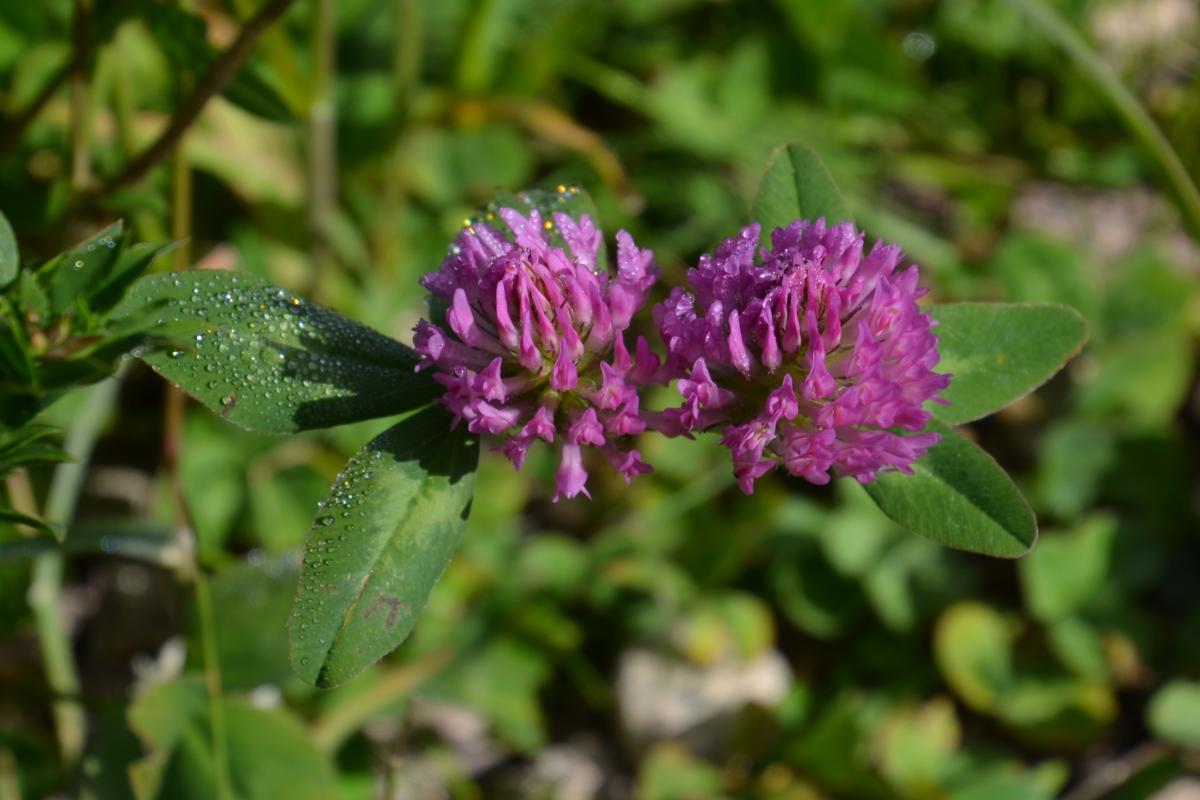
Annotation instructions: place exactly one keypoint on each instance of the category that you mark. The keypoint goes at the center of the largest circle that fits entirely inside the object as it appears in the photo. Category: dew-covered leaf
(268, 360)
(380, 542)
(958, 496)
(1000, 352)
(797, 185)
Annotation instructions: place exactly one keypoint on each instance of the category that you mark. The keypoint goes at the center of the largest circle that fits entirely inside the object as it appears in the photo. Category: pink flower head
(807, 356)
(533, 347)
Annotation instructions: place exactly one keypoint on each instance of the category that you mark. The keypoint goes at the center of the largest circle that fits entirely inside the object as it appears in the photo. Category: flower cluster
(535, 346)
(809, 356)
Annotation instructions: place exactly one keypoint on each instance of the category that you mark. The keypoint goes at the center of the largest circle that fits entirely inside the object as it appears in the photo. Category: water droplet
(271, 355)
(326, 520)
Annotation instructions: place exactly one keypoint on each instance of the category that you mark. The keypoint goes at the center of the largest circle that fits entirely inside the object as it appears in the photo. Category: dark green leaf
(71, 274)
(10, 516)
(270, 361)
(131, 263)
(10, 257)
(27, 444)
(381, 539)
(796, 186)
(960, 497)
(1000, 352)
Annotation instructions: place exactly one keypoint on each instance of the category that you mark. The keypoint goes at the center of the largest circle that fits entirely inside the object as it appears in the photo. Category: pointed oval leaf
(796, 185)
(960, 497)
(269, 360)
(10, 258)
(1000, 352)
(380, 542)
(75, 272)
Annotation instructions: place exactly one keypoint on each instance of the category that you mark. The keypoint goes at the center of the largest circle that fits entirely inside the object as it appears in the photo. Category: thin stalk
(322, 140)
(212, 679)
(14, 128)
(45, 588)
(407, 57)
(81, 161)
(1132, 113)
(176, 405)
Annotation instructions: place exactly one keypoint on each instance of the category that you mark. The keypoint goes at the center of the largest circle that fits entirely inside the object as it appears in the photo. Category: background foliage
(676, 639)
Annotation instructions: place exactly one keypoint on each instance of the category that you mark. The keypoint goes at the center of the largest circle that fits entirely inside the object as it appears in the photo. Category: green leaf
(960, 497)
(1000, 352)
(972, 645)
(1068, 569)
(381, 540)
(267, 360)
(130, 264)
(1174, 713)
(10, 257)
(252, 600)
(11, 517)
(73, 273)
(269, 752)
(797, 185)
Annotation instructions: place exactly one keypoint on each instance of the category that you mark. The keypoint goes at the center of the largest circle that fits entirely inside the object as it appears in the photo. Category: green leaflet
(381, 540)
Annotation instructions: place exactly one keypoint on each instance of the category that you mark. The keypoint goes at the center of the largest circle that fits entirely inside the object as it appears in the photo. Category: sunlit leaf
(271, 361)
(796, 186)
(380, 542)
(1000, 352)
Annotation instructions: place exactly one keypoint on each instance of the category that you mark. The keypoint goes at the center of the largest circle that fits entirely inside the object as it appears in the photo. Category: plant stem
(1132, 113)
(81, 162)
(45, 589)
(14, 128)
(322, 140)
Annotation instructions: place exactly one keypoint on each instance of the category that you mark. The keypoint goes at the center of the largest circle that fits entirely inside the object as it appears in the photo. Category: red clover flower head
(533, 346)
(810, 357)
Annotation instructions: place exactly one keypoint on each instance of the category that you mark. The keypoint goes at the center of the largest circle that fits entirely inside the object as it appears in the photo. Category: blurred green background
(675, 639)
